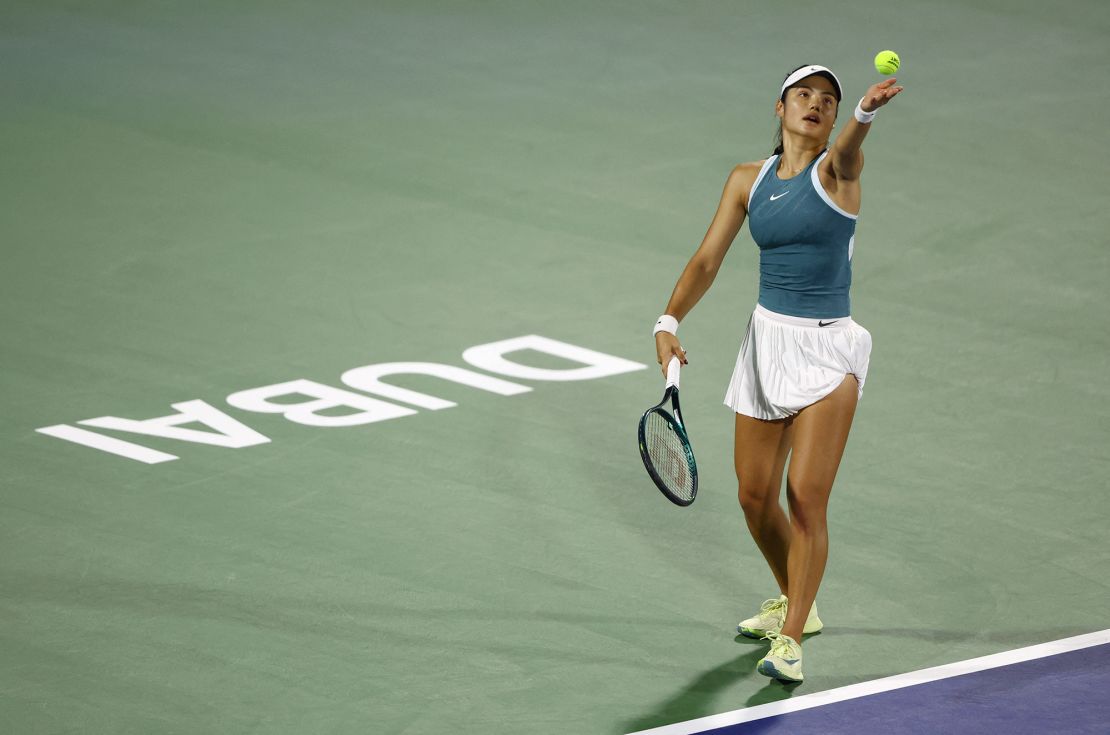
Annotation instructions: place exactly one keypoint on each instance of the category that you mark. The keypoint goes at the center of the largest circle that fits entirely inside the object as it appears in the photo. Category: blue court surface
(1060, 687)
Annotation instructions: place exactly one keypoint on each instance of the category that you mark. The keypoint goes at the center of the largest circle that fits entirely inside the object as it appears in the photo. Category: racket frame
(674, 419)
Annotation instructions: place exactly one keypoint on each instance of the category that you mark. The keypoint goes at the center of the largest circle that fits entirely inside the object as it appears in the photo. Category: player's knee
(754, 495)
(808, 506)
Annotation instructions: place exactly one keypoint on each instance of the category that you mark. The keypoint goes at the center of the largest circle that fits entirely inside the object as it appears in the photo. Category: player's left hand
(879, 94)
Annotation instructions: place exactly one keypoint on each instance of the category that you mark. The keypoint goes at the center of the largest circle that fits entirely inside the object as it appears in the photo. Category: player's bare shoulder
(741, 181)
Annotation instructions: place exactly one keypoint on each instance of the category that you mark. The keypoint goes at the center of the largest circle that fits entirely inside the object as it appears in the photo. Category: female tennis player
(803, 361)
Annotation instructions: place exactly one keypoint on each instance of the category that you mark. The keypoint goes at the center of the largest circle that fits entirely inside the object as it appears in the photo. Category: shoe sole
(758, 634)
(768, 669)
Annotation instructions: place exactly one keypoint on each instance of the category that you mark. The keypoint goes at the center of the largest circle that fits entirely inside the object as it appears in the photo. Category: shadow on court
(699, 697)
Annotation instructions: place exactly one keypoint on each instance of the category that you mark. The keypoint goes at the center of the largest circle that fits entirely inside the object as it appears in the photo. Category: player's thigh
(820, 435)
(760, 453)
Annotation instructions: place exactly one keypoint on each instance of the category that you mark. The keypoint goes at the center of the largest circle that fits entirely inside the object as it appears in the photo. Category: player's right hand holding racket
(665, 447)
(667, 346)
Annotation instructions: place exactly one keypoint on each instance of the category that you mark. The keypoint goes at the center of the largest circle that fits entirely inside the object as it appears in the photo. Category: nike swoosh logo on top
(825, 324)
(780, 196)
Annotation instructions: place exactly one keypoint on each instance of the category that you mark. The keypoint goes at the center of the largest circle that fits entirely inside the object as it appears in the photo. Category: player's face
(810, 107)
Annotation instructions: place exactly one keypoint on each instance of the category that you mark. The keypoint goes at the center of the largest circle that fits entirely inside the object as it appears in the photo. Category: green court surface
(205, 198)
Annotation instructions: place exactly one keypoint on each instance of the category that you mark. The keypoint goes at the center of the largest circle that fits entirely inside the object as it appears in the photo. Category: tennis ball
(887, 62)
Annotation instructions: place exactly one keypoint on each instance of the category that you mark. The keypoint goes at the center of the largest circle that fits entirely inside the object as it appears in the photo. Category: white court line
(886, 684)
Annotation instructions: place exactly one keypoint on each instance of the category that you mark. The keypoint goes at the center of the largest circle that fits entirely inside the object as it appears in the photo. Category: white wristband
(666, 323)
(864, 117)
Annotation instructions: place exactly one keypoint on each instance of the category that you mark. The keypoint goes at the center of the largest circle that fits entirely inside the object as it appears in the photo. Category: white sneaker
(770, 619)
(783, 661)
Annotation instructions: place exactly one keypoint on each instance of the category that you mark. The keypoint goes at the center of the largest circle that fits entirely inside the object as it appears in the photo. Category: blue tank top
(805, 244)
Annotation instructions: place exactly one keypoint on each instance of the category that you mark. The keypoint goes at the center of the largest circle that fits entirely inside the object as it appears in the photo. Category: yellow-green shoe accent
(783, 661)
(772, 616)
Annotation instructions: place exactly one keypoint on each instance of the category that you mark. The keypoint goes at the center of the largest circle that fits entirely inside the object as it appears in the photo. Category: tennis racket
(665, 448)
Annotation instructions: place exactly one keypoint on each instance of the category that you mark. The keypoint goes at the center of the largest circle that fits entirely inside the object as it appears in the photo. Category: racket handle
(672, 372)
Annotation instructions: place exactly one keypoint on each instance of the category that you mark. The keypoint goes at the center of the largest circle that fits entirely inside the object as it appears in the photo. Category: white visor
(806, 71)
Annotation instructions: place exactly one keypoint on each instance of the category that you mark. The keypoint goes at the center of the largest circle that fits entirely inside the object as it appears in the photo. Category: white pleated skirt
(787, 363)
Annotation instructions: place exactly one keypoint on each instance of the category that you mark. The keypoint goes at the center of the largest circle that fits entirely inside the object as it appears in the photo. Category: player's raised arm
(846, 154)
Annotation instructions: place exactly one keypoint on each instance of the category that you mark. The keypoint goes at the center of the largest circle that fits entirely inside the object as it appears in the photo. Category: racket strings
(667, 453)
